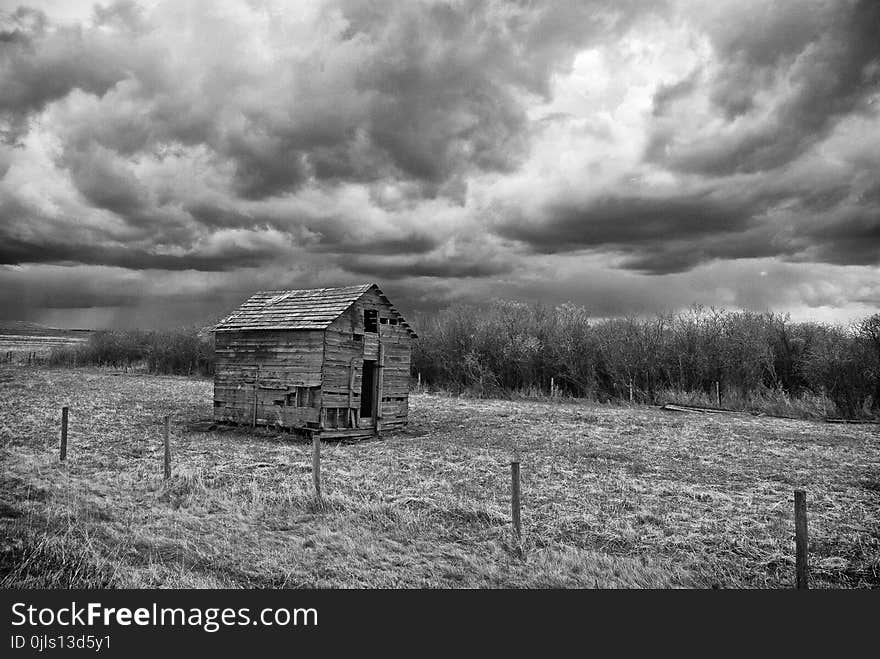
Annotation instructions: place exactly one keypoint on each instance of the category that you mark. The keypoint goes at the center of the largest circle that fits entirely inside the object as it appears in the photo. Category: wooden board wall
(272, 364)
(343, 349)
(264, 366)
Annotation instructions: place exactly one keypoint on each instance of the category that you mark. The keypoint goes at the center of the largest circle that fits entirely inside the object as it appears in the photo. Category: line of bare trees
(755, 357)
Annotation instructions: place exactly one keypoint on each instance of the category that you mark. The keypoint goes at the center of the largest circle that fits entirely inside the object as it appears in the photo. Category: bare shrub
(761, 361)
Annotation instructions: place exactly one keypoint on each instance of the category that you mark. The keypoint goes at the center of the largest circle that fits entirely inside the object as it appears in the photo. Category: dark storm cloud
(829, 222)
(853, 239)
(14, 252)
(246, 145)
(38, 66)
(658, 234)
(106, 183)
(437, 267)
(321, 233)
(629, 220)
(421, 92)
(820, 62)
(415, 91)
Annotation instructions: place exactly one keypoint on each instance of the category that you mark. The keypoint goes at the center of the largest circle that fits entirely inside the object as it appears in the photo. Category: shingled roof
(304, 309)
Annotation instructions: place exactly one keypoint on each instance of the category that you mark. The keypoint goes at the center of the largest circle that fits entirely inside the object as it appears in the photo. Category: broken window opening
(302, 397)
(371, 320)
(336, 417)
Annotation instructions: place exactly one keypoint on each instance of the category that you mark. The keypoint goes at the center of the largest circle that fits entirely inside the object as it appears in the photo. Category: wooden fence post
(800, 530)
(167, 448)
(63, 433)
(515, 498)
(718, 392)
(316, 463)
(630, 390)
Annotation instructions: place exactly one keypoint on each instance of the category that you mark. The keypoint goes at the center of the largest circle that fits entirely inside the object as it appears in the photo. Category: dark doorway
(368, 388)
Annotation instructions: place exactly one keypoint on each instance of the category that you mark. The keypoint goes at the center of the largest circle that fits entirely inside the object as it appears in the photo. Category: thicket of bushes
(181, 351)
(757, 358)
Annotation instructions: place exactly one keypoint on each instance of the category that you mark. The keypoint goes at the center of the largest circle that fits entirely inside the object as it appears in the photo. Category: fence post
(63, 433)
(419, 386)
(800, 530)
(630, 390)
(316, 463)
(515, 498)
(718, 392)
(167, 448)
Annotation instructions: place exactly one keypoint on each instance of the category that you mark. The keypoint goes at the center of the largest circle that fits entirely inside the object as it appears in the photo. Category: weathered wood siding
(268, 365)
(347, 345)
(312, 378)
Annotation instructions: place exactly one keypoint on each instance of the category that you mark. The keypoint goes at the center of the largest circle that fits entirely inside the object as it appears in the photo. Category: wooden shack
(328, 360)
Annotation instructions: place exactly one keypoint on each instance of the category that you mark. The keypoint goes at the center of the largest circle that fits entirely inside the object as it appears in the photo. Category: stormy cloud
(461, 149)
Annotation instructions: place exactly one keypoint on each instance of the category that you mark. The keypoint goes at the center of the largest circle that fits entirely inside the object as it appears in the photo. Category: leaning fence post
(167, 448)
(800, 530)
(316, 463)
(63, 433)
(515, 498)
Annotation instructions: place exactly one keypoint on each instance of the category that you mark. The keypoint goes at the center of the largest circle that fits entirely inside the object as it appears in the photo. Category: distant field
(612, 496)
(22, 338)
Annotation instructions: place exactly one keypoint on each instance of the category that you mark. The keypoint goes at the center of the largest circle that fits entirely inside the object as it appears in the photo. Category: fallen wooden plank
(697, 410)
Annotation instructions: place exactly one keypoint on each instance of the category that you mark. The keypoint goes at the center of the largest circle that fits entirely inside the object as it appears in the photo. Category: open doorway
(368, 389)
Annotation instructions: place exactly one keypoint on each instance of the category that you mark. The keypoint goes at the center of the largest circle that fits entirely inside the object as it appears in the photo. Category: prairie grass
(613, 496)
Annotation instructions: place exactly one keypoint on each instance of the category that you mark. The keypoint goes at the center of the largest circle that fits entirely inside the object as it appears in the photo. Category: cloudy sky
(159, 161)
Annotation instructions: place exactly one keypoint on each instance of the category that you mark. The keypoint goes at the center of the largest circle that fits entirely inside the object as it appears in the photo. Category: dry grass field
(19, 339)
(612, 496)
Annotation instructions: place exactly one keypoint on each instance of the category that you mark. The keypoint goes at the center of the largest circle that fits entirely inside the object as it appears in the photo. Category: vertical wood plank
(352, 421)
(800, 529)
(718, 392)
(63, 433)
(379, 386)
